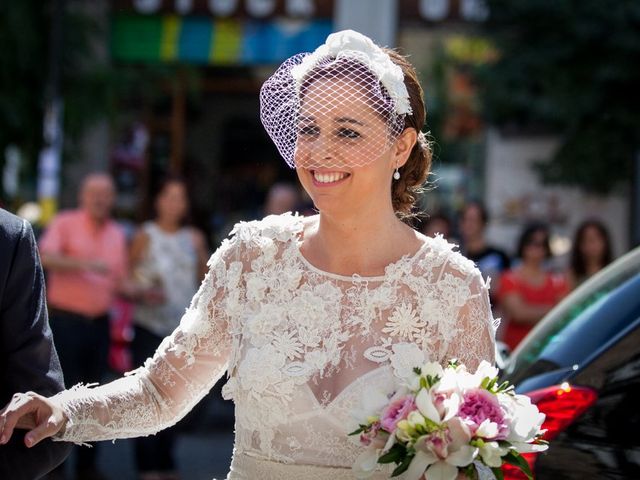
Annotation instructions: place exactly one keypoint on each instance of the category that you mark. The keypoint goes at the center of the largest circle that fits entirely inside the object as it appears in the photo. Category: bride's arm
(184, 368)
(474, 339)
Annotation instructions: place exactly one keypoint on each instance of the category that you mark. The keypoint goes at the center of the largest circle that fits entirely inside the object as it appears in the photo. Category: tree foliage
(25, 82)
(92, 87)
(572, 68)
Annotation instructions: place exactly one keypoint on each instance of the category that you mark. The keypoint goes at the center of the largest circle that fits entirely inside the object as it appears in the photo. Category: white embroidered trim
(349, 43)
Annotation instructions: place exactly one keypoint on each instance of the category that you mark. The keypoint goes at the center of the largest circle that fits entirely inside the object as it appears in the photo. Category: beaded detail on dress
(299, 345)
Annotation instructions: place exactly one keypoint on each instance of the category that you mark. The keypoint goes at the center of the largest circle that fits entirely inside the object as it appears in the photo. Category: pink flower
(478, 406)
(437, 443)
(370, 434)
(396, 411)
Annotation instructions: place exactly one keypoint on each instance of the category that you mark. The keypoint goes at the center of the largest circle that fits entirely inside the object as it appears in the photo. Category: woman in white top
(304, 313)
(168, 260)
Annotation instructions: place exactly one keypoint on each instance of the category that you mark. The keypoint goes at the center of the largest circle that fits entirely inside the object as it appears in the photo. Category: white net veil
(340, 106)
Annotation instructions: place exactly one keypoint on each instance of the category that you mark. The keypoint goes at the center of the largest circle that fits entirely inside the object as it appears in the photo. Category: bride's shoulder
(281, 228)
(440, 252)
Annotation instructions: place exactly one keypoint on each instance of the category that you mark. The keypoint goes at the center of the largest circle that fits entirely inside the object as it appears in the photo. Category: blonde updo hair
(414, 173)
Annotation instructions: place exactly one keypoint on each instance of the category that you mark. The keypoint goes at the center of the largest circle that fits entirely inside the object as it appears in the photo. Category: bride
(303, 313)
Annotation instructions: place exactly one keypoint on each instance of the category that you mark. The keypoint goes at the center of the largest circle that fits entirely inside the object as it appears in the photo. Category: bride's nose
(323, 149)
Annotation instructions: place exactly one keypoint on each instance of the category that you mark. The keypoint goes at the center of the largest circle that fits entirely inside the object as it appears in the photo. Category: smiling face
(344, 147)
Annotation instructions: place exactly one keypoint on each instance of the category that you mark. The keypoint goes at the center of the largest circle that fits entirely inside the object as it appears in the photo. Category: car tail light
(561, 404)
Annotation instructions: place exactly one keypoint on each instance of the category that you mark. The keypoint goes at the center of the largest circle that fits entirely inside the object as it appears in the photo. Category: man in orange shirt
(84, 253)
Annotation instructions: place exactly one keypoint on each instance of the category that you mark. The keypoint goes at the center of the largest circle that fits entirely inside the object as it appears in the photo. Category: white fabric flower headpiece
(351, 44)
(341, 106)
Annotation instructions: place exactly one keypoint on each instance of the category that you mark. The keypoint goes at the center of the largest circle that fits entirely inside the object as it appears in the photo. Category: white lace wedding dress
(299, 346)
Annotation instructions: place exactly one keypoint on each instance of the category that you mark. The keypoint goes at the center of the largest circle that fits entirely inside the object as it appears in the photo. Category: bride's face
(343, 150)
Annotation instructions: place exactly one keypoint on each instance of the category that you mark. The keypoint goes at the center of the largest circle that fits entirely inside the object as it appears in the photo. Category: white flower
(456, 288)
(440, 460)
(278, 227)
(403, 323)
(309, 337)
(425, 405)
(263, 322)
(372, 402)
(526, 419)
(487, 429)
(492, 454)
(287, 344)
(366, 463)
(350, 44)
(260, 369)
(433, 369)
(485, 369)
(404, 359)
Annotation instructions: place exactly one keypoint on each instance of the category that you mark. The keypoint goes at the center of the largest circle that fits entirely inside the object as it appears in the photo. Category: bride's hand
(32, 412)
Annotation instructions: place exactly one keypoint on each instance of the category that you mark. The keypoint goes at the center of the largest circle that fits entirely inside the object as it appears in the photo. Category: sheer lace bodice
(298, 345)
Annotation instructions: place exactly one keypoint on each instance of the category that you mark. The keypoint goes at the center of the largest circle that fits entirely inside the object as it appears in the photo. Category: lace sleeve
(474, 339)
(184, 368)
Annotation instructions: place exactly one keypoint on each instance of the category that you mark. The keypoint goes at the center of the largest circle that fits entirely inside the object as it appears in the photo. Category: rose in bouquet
(442, 422)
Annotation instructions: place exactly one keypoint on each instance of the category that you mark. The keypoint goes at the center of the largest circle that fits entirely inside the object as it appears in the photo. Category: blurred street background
(532, 107)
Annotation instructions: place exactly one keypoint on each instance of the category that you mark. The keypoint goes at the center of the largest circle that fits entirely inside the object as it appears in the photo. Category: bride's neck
(358, 244)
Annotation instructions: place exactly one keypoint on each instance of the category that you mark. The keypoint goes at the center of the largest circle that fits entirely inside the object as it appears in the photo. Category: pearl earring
(396, 174)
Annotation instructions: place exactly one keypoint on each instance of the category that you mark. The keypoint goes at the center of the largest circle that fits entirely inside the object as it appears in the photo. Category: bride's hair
(414, 173)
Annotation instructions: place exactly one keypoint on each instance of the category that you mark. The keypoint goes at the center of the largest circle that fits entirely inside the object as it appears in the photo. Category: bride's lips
(328, 178)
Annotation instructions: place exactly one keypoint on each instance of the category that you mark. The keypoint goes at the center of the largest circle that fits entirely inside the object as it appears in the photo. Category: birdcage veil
(342, 105)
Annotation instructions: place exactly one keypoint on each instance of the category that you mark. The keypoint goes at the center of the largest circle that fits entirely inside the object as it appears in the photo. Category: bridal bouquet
(447, 421)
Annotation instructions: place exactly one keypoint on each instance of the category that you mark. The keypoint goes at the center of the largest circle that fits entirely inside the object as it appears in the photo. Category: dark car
(581, 366)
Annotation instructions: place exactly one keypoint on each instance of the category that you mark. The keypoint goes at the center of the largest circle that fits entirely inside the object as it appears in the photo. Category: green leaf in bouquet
(505, 387)
(431, 425)
(470, 471)
(361, 428)
(396, 454)
(404, 465)
(417, 370)
(497, 472)
(517, 460)
(454, 363)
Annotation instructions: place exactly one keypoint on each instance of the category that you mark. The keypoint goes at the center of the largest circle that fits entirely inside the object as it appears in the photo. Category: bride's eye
(348, 133)
(308, 131)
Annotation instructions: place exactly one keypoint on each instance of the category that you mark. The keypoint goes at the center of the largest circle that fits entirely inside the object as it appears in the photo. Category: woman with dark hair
(305, 314)
(491, 261)
(168, 261)
(591, 251)
(528, 291)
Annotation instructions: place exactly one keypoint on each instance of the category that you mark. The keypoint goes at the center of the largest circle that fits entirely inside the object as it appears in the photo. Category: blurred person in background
(168, 262)
(591, 251)
(491, 261)
(437, 223)
(28, 358)
(281, 198)
(85, 255)
(528, 291)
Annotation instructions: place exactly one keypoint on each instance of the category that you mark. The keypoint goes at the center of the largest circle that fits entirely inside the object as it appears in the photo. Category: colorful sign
(207, 40)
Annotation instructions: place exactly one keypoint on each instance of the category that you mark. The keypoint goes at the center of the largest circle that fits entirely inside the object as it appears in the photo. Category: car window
(579, 326)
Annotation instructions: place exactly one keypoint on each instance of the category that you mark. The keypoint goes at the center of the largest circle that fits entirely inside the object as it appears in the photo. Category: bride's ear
(404, 145)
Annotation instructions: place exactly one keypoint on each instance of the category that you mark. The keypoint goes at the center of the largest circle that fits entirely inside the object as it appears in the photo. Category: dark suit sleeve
(28, 357)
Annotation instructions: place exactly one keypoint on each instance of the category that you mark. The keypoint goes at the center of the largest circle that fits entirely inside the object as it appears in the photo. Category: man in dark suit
(28, 358)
